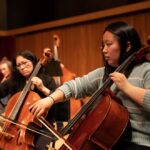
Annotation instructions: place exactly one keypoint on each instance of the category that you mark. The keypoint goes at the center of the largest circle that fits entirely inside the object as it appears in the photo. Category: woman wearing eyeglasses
(23, 65)
(119, 42)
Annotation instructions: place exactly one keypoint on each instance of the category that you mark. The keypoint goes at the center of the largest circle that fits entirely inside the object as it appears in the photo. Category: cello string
(59, 137)
(85, 108)
(138, 56)
(18, 105)
(21, 97)
(23, 126)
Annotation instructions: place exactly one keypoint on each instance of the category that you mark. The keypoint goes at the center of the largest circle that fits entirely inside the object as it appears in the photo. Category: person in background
(42, 84)
(119, 41)
(5, 70)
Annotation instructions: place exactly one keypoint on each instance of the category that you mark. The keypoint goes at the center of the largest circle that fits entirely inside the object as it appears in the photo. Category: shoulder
(141, 70)
(143, 66)
(94, 76)
(97, 72)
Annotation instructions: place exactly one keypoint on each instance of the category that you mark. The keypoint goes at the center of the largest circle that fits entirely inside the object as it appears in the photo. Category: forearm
(45, 91)
(40, 107)
(57, 96)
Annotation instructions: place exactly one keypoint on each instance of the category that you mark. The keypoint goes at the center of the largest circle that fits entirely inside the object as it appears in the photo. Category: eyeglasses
(22, 64)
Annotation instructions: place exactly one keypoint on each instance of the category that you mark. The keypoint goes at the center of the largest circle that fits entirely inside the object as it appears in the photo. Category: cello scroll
(18, 107)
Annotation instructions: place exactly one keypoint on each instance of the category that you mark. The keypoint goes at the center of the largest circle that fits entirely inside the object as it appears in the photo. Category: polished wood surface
(80, 38)
(81, 18)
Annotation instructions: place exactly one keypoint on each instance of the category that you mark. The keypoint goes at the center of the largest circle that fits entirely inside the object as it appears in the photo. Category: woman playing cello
(119, 41)
(23, 65)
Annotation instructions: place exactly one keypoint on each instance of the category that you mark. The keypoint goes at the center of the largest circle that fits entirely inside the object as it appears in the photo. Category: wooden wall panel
(7, 46)
(80, 44)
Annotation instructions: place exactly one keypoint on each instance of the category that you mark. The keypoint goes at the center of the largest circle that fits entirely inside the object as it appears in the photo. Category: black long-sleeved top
(12, 86)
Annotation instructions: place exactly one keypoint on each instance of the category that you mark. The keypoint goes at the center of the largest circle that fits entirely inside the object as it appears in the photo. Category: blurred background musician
(23, 65)
(62, 74)
(5, 70)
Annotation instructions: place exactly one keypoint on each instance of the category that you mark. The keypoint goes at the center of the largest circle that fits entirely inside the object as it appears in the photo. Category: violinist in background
(119, 41)
(23, 65)
(5, 70)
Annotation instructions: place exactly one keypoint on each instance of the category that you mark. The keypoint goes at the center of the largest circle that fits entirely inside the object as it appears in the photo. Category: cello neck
(23, 94)
(56, 44)
(56, 53)
(56, 58)
(18, 105)
(138, 56)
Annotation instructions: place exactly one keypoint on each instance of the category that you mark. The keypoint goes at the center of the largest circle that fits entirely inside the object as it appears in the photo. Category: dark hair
(26, 54)
(124, 33)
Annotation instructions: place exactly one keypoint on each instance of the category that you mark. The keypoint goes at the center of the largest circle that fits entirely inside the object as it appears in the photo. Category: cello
(94, 130)
(67, 75)
(13, 136)
(93, 122)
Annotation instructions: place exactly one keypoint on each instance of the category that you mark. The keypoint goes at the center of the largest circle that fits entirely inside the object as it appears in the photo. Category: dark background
(21, 13)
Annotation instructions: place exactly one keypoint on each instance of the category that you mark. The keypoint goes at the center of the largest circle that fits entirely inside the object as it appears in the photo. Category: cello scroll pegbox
(47, 55)
(56, 40)
(56, 44)
(147, 53)
(143, 54)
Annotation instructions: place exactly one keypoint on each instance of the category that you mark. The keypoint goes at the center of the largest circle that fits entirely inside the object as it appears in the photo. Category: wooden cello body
(102, 121)
(15, 133)
(95, 132)
(75, 105)
(67, 75)
(19, 138)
